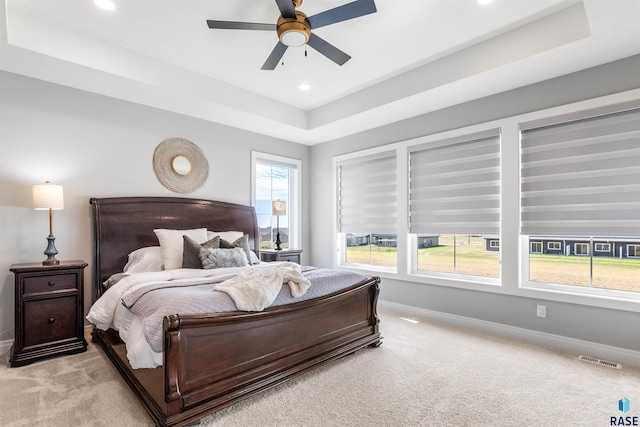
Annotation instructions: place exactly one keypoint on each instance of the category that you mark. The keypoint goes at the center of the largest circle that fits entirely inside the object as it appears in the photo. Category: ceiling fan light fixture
(293, 38)
(294, 32)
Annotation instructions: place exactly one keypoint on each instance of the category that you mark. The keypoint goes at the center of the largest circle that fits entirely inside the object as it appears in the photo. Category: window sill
(569, 294)
(559, 294)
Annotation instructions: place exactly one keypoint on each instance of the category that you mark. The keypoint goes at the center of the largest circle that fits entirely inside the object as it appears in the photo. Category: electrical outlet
(542, 311)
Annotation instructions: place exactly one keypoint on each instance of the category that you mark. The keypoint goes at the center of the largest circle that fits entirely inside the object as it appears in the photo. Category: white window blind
(582, 176)
(367, 194)
(454, 185)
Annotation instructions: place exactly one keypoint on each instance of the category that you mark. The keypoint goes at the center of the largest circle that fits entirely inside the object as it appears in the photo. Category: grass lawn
(608, 273)
(472, 259)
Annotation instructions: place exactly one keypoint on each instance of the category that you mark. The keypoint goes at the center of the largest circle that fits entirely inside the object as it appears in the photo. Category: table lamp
(278, 207)
(49, 196)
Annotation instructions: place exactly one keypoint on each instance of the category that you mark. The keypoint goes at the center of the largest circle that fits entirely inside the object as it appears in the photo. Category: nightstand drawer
(50, 320)
(291, 258)
(50, 283)
(291, 255)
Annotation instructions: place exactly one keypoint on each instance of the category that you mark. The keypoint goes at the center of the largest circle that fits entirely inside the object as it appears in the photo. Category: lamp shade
(278, 207)
(48, 196)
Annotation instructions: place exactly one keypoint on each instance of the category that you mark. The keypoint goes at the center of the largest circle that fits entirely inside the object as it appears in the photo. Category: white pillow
(171, 243)
(229, 236)
(145, 259)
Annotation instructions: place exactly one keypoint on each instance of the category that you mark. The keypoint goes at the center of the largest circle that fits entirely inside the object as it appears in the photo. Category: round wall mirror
(181, 165)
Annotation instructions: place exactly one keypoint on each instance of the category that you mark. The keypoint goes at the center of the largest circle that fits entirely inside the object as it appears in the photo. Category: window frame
(340, 238)
(294, 208)
(554, 246)
(584, 247)
(538, 243)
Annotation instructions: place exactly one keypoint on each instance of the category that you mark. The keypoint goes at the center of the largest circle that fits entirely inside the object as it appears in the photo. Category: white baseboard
(579, 347)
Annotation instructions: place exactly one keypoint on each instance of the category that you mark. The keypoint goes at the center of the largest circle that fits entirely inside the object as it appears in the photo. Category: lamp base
(278, 242)
(51, 252)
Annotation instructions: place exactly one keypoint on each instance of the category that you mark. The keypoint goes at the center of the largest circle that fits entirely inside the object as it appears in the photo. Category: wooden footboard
(213, 361)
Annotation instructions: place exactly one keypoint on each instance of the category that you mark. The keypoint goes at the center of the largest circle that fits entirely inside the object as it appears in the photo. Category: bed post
(171, 324)
(97, 283)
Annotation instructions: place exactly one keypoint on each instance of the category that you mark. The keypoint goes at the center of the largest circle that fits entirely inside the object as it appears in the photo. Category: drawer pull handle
(51, 320)
(51, 283)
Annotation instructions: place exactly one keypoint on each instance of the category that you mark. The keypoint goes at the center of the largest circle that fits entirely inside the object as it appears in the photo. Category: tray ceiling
(408, 58)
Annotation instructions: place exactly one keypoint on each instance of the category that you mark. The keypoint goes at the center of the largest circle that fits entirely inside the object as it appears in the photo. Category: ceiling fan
(294, 28)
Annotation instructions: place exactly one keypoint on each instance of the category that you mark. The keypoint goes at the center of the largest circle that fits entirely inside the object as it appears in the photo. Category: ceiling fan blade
(231, 25)
(342, 13)
(274, 58)
(286, 8)
(328, 50)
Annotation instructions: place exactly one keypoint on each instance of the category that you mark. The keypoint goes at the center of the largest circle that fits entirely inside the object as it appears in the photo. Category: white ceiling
(409, 58)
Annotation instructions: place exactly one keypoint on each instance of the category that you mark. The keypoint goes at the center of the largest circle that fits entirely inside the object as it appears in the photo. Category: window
(582, 249)
(367, 209)
(276, 178)
(454, 203)
(432, 209)
(579, 180)
(535, 247)
(553, 246)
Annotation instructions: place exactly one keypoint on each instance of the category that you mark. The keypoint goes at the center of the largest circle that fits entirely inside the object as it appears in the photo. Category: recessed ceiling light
(485, 1)
(304, 86)
(105, 4)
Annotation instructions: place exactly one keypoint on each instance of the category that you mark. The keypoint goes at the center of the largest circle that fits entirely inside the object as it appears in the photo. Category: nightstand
(292, 255)
(49, 311)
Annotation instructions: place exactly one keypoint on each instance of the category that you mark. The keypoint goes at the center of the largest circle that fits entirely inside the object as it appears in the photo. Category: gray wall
(97, 146)
(601, 325)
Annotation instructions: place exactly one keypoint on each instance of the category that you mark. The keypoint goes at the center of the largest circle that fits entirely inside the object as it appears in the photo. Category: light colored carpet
(424, 374)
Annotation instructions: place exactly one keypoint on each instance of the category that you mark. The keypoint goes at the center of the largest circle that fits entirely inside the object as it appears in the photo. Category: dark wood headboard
(124, 224)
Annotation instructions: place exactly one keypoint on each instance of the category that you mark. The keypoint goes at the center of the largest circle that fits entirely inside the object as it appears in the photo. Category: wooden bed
(212, 361)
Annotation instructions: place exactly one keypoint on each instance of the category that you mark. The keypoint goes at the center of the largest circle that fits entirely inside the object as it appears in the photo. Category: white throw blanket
(254, 289)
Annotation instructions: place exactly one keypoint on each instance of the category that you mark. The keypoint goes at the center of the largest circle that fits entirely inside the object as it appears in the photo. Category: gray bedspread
(154, 301)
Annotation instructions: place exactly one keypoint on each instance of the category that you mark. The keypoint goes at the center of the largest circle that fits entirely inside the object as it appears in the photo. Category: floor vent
(600, 362)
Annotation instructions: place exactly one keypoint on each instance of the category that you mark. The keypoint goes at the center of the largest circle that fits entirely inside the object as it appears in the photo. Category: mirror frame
(170, 175)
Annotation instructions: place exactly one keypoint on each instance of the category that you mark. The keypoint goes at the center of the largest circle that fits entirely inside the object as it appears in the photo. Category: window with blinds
(580, 187)
(454, 204)
(367, 208)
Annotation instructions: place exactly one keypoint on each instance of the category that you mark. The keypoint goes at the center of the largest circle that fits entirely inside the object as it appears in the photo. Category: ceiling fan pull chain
(305, 50)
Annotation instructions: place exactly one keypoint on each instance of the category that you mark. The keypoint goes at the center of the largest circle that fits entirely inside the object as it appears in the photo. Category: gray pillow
(191, 251)
(219, 258)
(242, 242)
